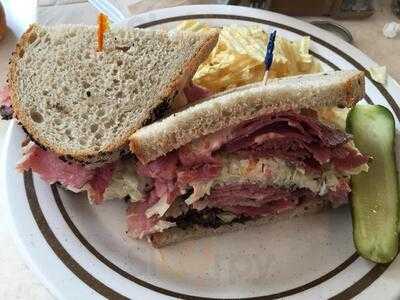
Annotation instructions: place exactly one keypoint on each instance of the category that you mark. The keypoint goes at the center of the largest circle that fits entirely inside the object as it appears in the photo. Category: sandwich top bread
(83, 104)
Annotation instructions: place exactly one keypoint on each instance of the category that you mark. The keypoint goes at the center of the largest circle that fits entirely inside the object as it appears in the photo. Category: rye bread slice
(83, 104)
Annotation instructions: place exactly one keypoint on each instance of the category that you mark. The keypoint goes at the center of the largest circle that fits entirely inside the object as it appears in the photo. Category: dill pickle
(375, 199)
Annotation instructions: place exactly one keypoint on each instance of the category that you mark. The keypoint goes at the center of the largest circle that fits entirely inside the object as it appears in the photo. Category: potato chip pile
(238, 58)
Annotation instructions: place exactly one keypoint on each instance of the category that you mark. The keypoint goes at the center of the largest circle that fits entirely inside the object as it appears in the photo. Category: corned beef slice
(52, 169)
(170, 175)
(138, 223)
(164, 173)
(345, 158)
(200, 151)
(294, 137)
(72, 175)
(238, 196)
(5, 98)
(252, 200)
(199, 172)
(99, 182)
(162, 168)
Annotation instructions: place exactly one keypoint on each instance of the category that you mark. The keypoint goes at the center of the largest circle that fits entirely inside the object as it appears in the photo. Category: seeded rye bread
(175, 235)
(339, 88)
(84, 105)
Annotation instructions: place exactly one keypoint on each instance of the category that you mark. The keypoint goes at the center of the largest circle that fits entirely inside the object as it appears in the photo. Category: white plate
(82, 252)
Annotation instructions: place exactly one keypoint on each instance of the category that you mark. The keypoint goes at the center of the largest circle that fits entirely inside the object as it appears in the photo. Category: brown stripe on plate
(361, 284)
(58, 249)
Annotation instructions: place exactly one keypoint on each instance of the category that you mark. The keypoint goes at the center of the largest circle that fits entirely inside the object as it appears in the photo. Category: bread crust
(230, 108)
(113, 150)
(175, 235)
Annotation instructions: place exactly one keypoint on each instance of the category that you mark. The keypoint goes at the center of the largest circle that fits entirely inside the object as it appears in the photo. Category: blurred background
(371, 25)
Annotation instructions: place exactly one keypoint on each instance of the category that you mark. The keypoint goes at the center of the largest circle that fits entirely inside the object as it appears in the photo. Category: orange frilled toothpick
(269, 55)
(102, 27)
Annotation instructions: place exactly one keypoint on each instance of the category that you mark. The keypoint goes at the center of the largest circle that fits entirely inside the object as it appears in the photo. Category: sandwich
(79, 102)
(126, 122)
(247, 156)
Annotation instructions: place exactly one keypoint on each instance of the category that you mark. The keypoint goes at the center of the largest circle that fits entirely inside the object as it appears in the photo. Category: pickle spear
(375, 198)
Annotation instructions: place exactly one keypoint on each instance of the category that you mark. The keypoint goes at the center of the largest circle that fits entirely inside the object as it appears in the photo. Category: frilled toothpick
(269, 55)
(102, 27)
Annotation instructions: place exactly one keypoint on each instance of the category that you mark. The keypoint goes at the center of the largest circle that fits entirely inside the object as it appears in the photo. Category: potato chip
(238, 57)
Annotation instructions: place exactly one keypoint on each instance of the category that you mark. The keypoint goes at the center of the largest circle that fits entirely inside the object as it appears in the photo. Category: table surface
(16, 280)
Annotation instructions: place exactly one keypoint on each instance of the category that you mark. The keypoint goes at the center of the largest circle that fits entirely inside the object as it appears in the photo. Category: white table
(16, 280)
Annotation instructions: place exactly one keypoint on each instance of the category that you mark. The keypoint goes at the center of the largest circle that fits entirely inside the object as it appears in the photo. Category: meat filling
(300, 140)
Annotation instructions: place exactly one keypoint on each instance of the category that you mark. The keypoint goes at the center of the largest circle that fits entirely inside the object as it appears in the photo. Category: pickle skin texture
(375, 197)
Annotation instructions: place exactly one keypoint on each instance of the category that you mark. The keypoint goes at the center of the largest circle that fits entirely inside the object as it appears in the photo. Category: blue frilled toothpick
(269, 55)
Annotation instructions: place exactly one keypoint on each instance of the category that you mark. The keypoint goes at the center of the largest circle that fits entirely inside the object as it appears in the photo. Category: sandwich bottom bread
(246, 157)
(214, 227)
